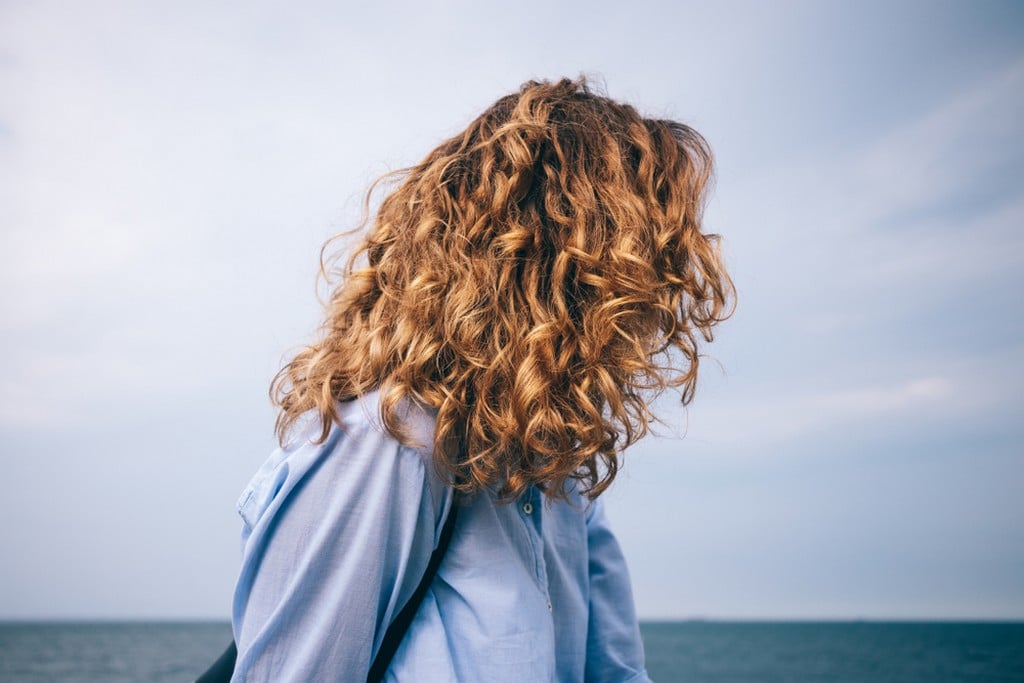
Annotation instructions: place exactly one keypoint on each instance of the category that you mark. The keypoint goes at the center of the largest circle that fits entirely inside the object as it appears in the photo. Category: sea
(691, 651)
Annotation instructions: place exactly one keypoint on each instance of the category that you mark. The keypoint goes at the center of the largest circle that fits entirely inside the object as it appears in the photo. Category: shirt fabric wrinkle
(336, 536)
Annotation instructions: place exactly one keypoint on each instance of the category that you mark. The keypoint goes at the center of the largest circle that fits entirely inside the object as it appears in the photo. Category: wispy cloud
(976, 391)
(900, 238)
(861, 278)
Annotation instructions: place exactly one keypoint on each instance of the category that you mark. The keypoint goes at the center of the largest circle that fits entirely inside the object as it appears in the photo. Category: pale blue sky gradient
(169, 172)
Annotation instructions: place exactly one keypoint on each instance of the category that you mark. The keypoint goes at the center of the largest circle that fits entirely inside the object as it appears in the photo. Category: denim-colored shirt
(336, 536)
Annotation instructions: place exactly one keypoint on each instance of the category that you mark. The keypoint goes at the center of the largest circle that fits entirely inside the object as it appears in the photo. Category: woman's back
(533, 590)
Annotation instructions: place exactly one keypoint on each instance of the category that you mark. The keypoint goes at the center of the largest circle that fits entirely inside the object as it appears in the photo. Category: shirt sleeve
(339, 538)
(614, 649)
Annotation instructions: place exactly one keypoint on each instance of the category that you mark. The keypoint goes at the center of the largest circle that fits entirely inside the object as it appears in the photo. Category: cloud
(941, 159)
(948, 156)
(852, 265)
(981, 391)
(784, 417)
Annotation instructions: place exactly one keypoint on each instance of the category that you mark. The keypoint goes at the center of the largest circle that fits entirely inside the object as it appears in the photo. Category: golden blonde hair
(522, 281)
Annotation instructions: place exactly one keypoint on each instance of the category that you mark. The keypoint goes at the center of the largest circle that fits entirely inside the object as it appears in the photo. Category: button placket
(532, 518)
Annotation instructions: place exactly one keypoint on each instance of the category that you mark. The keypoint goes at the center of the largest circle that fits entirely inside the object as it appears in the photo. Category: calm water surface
(693, 651)
(834, 652)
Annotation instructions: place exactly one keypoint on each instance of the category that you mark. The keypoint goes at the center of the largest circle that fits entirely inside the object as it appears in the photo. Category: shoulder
(359, 451)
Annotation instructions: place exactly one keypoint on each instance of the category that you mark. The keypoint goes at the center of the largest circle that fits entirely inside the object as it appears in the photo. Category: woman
(492, 346)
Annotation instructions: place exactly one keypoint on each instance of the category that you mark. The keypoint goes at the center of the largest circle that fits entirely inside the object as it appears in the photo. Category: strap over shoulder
(222, 670)
(398, 628)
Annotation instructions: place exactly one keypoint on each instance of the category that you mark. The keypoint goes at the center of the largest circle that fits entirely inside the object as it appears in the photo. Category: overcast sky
(168, 172)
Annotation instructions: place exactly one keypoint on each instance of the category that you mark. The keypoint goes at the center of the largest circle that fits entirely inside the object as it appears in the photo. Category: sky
(169, 171)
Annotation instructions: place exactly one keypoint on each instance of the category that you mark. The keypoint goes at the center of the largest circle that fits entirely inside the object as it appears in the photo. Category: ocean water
(834, 652)
(692, 651)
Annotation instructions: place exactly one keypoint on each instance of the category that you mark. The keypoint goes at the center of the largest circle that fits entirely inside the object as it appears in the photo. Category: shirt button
(528, 508)
(549, 605)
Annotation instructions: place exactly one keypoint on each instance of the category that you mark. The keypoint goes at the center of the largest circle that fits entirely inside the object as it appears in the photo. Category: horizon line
(657, 620)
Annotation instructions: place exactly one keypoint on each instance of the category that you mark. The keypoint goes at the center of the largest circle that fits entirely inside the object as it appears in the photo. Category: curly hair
(522, 282)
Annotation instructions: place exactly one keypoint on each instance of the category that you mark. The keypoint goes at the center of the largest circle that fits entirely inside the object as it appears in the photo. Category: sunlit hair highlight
(535, 281)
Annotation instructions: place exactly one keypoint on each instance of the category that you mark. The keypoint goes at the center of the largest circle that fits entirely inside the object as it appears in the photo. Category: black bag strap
(221, 670)
(224, 667)
(397, 630)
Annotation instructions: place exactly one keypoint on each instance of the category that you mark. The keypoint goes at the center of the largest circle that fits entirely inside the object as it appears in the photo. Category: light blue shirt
(337, 536)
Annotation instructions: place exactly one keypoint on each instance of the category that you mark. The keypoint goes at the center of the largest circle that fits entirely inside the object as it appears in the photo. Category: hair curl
(522, 281)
